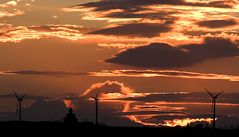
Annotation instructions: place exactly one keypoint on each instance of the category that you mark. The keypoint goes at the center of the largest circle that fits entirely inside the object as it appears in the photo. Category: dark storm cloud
(136, 30)
(104, 5)
(217, 23)
(161, 55)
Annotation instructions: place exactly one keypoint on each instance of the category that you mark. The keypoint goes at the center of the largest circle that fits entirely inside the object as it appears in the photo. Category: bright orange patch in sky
(69, 103)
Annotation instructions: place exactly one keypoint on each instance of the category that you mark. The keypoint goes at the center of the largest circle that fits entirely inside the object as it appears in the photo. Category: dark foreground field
(88, 129)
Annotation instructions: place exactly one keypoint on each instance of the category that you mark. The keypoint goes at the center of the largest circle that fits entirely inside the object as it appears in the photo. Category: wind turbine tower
(96, 107)
(19, 104)
(214, 98)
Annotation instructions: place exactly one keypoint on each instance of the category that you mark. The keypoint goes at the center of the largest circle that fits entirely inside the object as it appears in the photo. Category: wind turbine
(214, 98)
(19, 104)
(96, 106)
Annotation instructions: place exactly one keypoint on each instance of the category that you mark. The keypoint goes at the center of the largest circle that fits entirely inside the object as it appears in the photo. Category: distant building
(70, 119)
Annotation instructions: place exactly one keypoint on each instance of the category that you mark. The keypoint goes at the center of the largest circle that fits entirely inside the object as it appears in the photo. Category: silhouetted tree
(70, 119)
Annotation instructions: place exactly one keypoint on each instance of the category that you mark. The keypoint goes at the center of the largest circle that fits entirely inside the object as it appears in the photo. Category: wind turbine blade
(15, 94)
(23, 96)
(93, 97)
(209, 92)
(97, 94)
(219, 94)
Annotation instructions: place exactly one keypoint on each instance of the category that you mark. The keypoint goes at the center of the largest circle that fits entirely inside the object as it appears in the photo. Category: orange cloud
(164, 73)
(185, 122)
(10, 33)
(155, 113)
(156, 107)
(185, 16)
(10, 14)
(69, 103)
(144, 119)
(9, 4)
(168, 123)
(8, 9)
(190, 103)
(117, 87)
(110, 87)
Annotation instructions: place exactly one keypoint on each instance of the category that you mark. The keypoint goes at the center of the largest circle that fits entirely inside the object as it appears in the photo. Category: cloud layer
(126, 107)
(107, 87)
(128, 4)
(162, 55)
(10, 33)
(217, 23)
(110, 85)
(42, 73)
(7, 9)
(174, 21)
(135, 30)
(164, 73)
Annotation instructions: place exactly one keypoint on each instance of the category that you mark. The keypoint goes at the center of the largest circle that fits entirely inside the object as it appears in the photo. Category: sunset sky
(150, 59)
